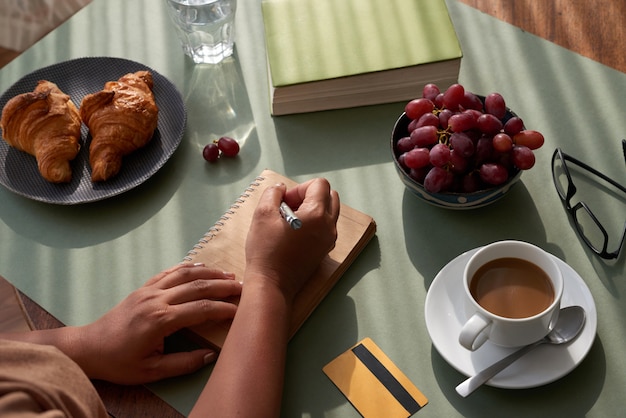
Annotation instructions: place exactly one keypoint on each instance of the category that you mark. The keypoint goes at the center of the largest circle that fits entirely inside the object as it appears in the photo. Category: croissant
(46, 124)
(121, 119)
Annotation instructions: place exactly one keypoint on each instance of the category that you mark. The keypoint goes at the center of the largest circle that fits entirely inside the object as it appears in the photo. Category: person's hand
(285, 256)
(126, 344)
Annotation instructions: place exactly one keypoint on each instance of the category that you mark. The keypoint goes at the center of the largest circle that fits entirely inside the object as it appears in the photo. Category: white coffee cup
(515, 323)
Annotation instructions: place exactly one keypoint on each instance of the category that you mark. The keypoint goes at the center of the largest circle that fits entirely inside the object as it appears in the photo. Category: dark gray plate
(77, 78)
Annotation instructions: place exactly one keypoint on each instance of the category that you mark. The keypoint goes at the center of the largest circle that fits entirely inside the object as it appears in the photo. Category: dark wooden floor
(6, 56)
(594, 29)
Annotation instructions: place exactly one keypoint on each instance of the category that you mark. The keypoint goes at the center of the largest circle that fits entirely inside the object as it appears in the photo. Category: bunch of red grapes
(459, 142)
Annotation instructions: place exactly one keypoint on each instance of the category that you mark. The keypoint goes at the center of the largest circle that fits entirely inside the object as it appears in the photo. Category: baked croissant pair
(46, 124)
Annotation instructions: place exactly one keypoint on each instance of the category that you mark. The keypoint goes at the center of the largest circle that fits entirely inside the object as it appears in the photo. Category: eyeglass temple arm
(624, 148)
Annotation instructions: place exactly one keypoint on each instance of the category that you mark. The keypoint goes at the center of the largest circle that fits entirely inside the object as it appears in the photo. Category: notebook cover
(309, 40)
(223, 247)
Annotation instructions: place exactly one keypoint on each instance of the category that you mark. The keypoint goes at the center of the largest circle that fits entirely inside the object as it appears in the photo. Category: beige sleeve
(41, 381)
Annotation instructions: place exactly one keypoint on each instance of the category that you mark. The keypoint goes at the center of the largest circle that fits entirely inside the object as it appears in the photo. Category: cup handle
(473, 333)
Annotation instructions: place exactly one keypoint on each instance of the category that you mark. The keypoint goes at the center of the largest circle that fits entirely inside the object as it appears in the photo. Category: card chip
(373, 383)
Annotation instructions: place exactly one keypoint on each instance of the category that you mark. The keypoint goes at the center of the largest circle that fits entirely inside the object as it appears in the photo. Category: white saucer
(445, 316)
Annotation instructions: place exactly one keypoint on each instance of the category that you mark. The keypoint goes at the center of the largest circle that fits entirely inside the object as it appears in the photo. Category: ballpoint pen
(290, 216)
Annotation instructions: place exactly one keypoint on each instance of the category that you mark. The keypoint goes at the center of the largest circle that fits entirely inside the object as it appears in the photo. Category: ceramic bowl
(449, 200)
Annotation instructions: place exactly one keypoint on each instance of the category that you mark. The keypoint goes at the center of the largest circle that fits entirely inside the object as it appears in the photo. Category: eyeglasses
(586, 223)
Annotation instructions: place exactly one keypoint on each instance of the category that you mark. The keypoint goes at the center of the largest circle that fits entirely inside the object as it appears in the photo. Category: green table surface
(79, 261)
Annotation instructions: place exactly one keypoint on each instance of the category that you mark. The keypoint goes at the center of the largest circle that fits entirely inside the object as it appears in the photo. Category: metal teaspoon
(568, 326)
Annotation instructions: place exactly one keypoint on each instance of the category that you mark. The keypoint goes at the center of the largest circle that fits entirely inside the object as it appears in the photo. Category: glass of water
(206, 28)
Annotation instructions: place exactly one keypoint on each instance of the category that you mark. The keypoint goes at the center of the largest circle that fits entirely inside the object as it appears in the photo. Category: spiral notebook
(223, 247)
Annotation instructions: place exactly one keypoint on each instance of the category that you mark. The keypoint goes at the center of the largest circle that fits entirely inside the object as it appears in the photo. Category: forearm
(66, 339)
(248, 377)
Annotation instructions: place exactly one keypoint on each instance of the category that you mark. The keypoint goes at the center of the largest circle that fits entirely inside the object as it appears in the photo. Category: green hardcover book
(331, 54)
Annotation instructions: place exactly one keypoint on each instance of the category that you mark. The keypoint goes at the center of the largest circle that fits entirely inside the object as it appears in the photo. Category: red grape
(462, 144)
(502, 142)
(471, 182)
(417, 158)
(412, 125)
(513, 126)
(401, 160)
(430, 91)
(436, 180)
(458, 163)
(427, 119)
(417, 107)
(523, 157)
(494, 104)
(405, 144)
(493, 173)
(505, 159)
(471, 101)
(211, 152)
(484, 149)
(453, 96)
(418, 174)
(424, 136)
(228, 146)
(489, 124)
(440, 155)
(463, 121)
(438, 101)
(529, 138)
(444, 117)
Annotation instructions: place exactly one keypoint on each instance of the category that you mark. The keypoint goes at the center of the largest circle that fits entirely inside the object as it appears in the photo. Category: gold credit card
(373, 383)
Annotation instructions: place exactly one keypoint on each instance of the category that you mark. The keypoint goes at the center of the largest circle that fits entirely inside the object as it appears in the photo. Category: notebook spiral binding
(212, 232)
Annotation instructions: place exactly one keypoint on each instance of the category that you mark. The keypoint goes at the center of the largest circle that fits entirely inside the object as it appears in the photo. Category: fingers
(314, 189)
(186, 295)
(198, 278)
(308, 196)
(312, 193)
(194, 298)
(158, 277)
(202, 289)
(269, 203)
(186, 273)
(197, 312)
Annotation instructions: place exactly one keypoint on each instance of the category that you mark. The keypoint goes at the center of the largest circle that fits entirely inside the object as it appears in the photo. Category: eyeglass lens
(561, 180)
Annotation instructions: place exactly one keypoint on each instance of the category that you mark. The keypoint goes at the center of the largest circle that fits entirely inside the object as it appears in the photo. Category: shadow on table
(83, 225)
(218, 105)
(336, 139)
(434, 236)
(571, 396)
(329, 331)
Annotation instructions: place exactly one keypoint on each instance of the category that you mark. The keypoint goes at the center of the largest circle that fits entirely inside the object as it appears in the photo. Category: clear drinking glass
(205, 28)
